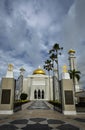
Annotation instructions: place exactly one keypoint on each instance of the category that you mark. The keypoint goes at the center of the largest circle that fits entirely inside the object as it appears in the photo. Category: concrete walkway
(40, 115)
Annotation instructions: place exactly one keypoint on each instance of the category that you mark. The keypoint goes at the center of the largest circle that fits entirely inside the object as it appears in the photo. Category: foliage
(74, 74)
(17, 104)
(20, 102)
(80, 104)
(23, 96)
(55, 51)
(48, 65)
(56, 103)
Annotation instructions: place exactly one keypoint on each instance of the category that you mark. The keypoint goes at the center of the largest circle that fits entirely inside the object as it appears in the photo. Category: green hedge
(56, 103)
(23, 96)
(80, 104)
(20, 102)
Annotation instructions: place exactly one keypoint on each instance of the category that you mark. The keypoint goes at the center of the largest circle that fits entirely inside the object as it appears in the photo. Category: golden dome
(71, 51)
(39, 71)
(10, 67)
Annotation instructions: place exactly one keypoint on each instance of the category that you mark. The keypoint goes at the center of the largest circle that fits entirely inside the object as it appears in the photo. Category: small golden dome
(71, 51)
(39, 71)
(10, 67)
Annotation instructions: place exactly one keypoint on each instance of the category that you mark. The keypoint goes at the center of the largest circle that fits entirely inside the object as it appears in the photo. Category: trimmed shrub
(56, 103)
(20, 102)
(23, 96)
(80, 104)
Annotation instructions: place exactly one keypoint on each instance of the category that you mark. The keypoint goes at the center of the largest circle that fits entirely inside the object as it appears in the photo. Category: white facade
(38, 87)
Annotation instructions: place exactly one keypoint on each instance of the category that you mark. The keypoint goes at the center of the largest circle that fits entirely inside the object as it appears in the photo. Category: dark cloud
(29, 28)
(66, 4)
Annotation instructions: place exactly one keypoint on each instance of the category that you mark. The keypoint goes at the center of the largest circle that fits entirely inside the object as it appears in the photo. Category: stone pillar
(7, 92)
(68, 102)
(7, 96)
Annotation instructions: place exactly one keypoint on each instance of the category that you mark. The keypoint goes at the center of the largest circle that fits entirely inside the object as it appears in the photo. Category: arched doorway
(35, 94)
(39, 94)
(42, 94)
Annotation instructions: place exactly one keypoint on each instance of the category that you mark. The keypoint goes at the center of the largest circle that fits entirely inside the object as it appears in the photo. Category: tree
(23, 96)
(54, 52)
(48, 66)
(74, 74)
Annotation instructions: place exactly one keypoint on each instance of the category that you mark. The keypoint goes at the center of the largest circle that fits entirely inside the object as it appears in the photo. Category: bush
(23, 96)
(80, 104)
(17, 104)
(56, 103)
(20, 102)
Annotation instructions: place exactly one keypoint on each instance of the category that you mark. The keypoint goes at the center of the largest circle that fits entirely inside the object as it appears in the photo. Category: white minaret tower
(72, 60)
(73, 65)
(22, 70)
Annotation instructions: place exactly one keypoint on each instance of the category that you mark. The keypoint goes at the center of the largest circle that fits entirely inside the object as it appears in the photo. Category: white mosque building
(38, 86)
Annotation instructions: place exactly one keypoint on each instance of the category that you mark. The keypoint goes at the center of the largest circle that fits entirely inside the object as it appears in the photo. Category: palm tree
(48, 66)
(53, 57)
(54, 52)
(74, 74)
(57, 48)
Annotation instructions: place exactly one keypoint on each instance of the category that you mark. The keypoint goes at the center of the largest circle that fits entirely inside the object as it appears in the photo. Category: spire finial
(39, 66)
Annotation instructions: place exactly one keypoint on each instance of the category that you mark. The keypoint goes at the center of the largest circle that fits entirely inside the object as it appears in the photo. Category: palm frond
(77, 76)
(56, 46)
(74, 74)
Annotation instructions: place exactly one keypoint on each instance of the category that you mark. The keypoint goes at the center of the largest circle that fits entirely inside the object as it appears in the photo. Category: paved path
(39, 116)
(39, 105)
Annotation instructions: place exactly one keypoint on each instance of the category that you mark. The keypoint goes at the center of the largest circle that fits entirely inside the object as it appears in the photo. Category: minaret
(73, 65)
(72, 60)
(22, 70)
(19, 83)
(9, 73)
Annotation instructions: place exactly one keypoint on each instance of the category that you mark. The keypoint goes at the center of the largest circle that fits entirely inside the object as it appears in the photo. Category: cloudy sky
(29, 29)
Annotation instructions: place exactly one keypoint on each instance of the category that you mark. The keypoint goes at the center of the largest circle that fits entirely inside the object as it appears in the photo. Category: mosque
(39, 85)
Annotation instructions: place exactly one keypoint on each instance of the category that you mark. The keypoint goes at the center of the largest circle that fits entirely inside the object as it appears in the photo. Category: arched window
(35, 94)
(42, 94)
(39, 94)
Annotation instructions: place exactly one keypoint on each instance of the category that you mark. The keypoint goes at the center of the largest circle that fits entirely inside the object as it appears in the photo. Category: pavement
(39, 115)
